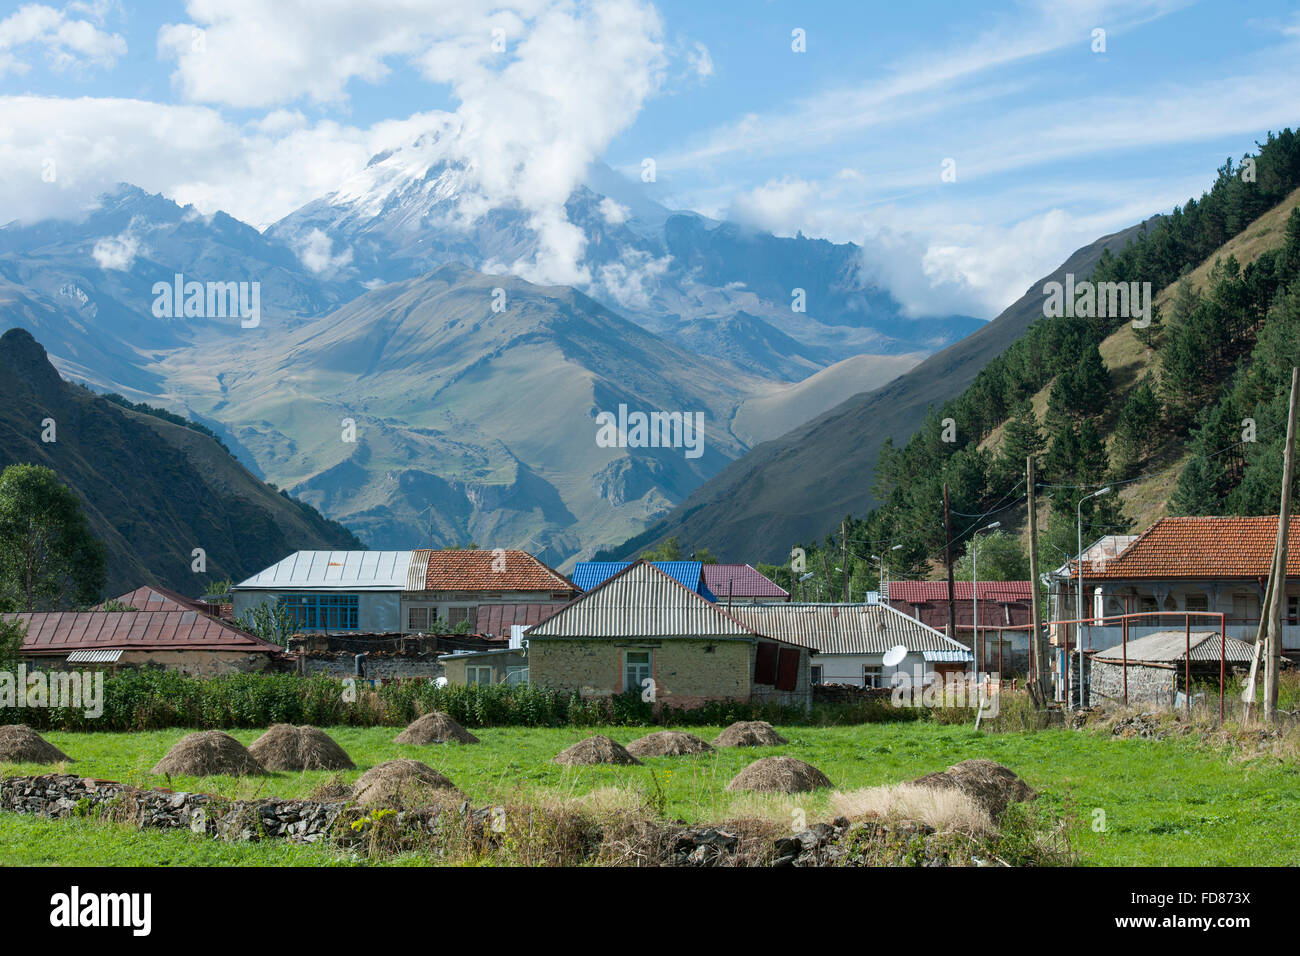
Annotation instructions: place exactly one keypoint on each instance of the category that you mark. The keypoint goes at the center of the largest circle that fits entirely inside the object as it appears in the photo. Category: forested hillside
(1186, 414)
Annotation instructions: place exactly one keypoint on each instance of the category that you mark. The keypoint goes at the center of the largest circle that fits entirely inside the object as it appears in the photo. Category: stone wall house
(1157, 666)
(642, 630)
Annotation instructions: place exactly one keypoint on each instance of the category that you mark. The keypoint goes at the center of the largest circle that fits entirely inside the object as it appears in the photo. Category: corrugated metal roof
(843, 628)
(59, 631)
(335, 570)
(740, 581)
(152, 598)
(924, 592)
(642, 601)
(105, 656)
(589, 575)
(497, 619)
(1164, 647)
(947, 657)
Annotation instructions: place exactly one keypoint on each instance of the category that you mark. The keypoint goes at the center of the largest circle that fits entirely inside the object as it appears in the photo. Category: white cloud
(66, 42)
(316, 252)
(117, 252)
(631, 282)
(613, 212)
(779, 206)
(700, 61)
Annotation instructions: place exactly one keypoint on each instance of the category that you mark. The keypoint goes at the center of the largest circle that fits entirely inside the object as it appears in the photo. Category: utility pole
(947, 551)
(1273, 662)
(1036, 669)
(844, 546)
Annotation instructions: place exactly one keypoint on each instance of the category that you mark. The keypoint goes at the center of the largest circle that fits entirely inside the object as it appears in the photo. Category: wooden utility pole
(844, 548)
(1273, 662)
(1036, 670)
(947, 557)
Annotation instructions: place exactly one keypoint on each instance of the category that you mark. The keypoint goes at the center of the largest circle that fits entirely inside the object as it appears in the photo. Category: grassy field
(1164, 802)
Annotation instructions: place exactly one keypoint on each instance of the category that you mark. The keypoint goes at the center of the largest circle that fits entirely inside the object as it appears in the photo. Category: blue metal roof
(690, 574)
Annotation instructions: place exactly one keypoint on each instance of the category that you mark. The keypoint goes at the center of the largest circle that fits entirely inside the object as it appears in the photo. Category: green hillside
(153, 489)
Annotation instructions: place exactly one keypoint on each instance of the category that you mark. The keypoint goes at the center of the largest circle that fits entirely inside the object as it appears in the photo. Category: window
(1196, 601)
(636, 668)
(873, 675)
(1293, 610)
(817, 674)
(459, 615)
(419, 618)
(1241, 607)
(478, 673)
(321, 612)
(1146, 603)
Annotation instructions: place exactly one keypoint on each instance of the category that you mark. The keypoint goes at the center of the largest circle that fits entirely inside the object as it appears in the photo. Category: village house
(1004, 616)
(505, 665)
(852, 641)
(644, 630)
(1182, 565)
(401, 591)
(187, 641)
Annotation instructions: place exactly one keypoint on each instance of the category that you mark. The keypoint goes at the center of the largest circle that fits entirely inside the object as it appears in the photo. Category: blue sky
(1053, 143)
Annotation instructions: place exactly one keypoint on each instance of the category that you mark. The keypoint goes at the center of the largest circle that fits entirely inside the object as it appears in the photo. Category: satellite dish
(440, 682)
(895, 655)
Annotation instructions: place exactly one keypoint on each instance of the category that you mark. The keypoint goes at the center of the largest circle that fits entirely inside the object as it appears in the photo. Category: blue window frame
(321, 612)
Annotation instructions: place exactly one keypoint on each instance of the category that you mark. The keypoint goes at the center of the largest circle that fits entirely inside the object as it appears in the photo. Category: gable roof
(1165, 647)
(589, 575)
(57, 632)
(150, 597)
(846, 628)
(482, 569)
(926, 592)
(334, 570)
(742, 581)
(641, 601)
(1218, 547)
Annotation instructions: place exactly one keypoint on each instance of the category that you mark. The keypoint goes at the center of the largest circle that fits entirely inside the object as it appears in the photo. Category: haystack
(209, 753)
(779, 775)
(593, 750)
(401, 782)
(286, 747)
(991, 785)
(749, 733)
(668, 743)
(434, 728)
(20, 744)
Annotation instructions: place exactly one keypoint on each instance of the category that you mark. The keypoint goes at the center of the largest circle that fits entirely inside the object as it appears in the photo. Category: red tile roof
(1202, 548)
(741, 581)
(58, 632)
(497, 618)
(926, 592)
(483, 570)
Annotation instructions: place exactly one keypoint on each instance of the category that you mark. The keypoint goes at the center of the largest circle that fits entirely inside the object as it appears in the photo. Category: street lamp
(1078, 642)
(975, 592)
(803, 590)
(884, 585)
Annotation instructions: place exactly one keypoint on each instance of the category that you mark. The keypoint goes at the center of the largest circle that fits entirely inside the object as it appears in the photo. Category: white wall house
(853, 639)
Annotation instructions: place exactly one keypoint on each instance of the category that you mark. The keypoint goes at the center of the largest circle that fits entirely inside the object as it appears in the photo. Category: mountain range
(474, 421)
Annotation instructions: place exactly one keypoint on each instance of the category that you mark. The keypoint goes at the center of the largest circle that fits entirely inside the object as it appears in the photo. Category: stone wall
(1146, 685)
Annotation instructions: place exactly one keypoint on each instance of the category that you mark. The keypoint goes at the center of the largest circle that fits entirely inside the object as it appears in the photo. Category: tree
(48, 556)
(269, 622)
(1138, 428)
(12, 634)
(999, 557)
(669, 550)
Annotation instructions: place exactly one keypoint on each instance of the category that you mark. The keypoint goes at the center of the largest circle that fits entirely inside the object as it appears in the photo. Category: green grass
(1165, 802)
